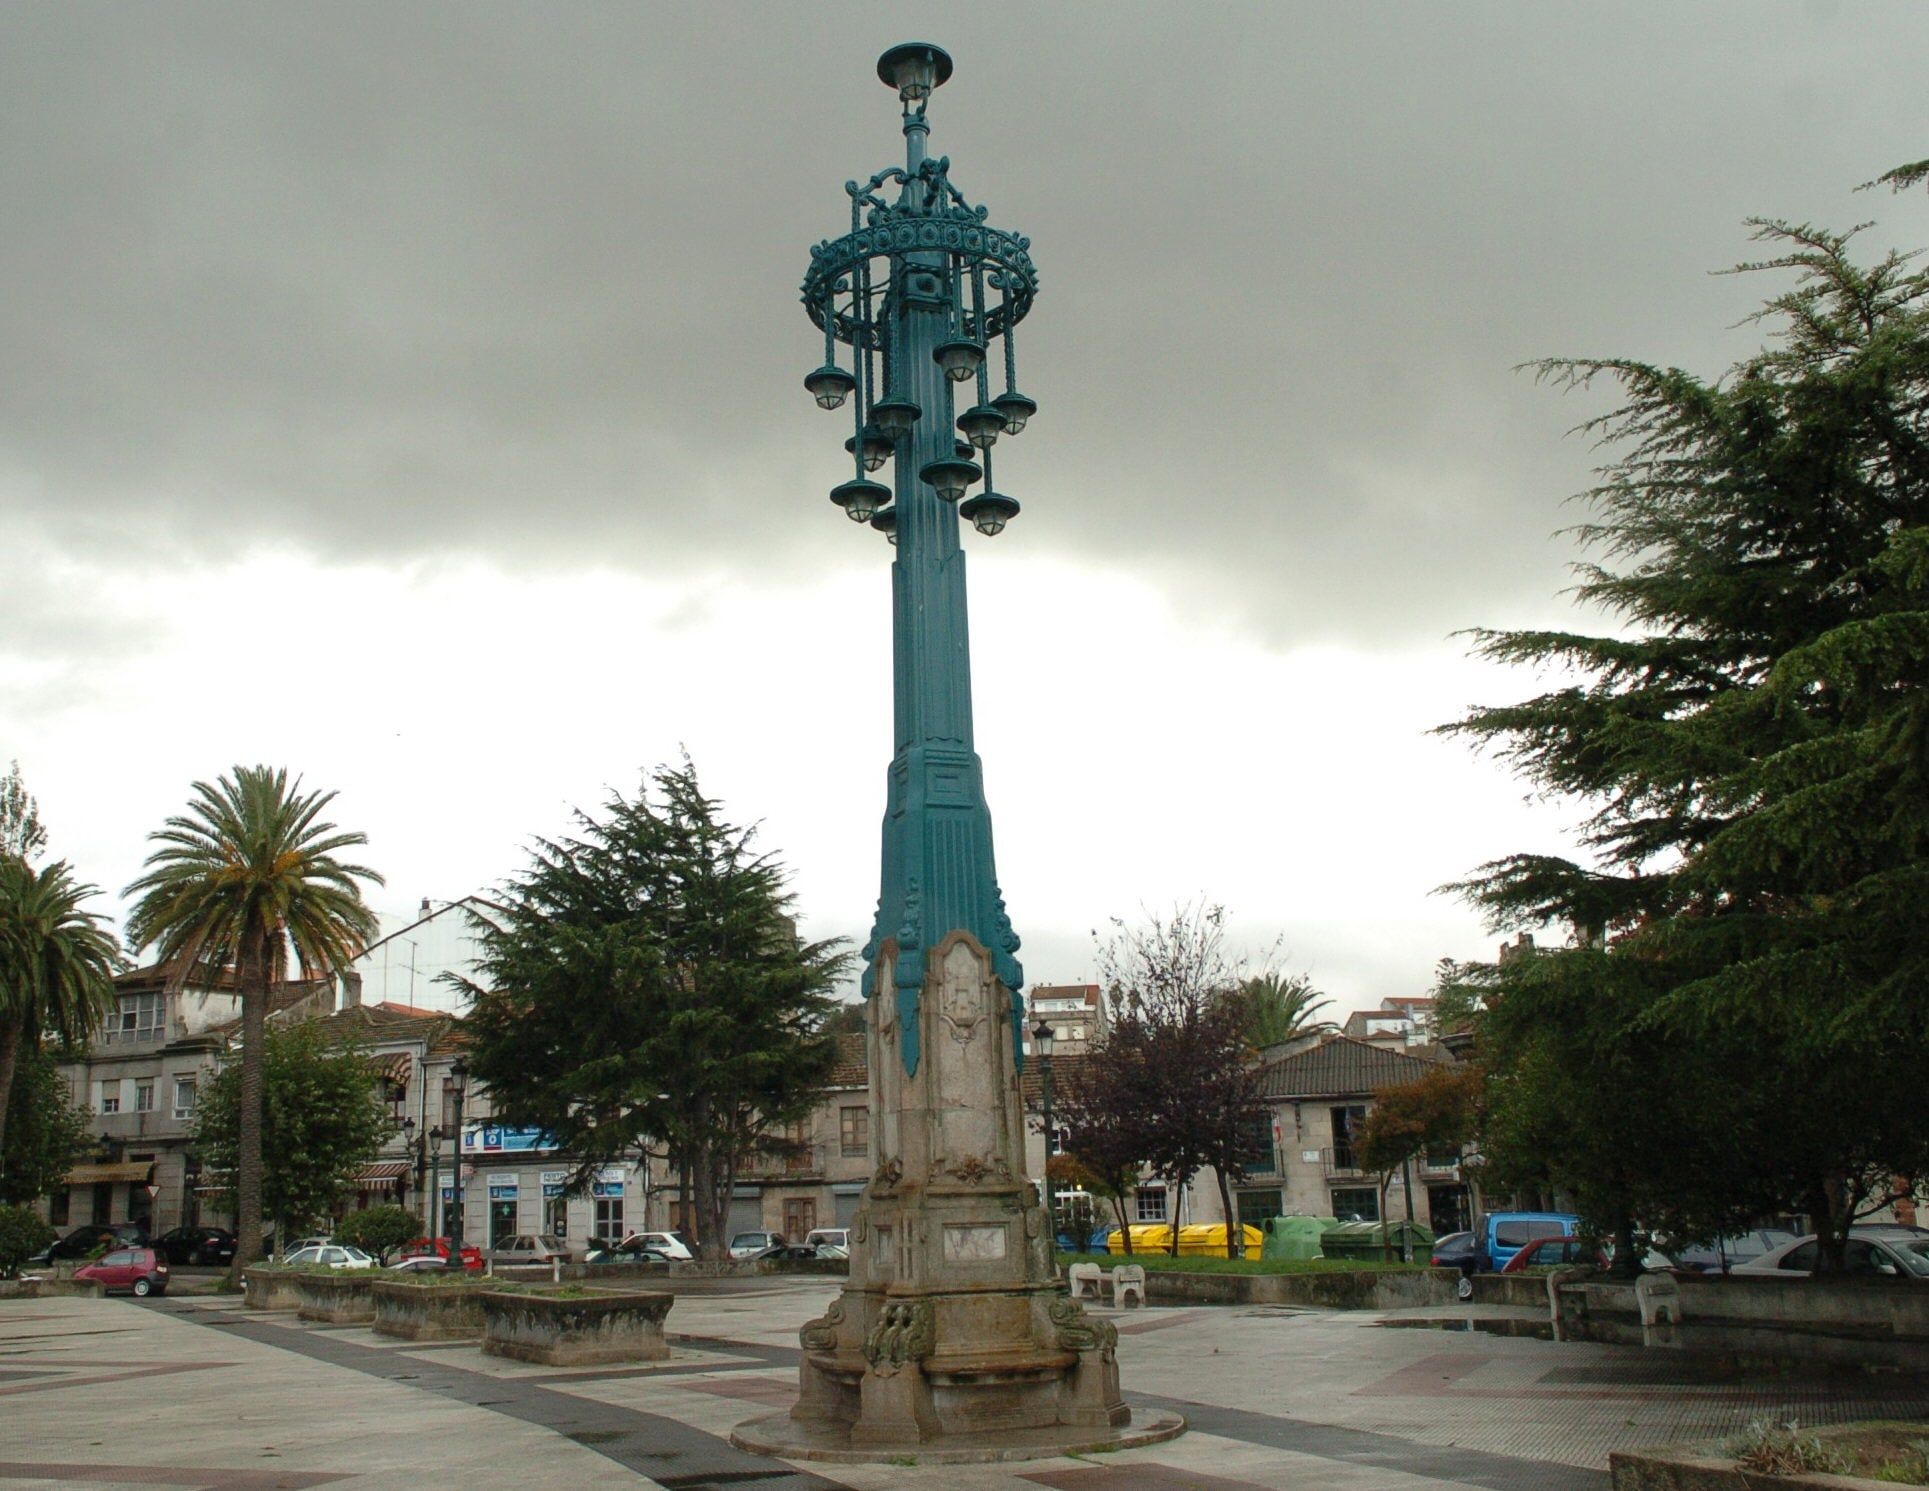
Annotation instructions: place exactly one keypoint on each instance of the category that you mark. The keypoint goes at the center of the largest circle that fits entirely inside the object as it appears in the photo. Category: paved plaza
(196, 1391)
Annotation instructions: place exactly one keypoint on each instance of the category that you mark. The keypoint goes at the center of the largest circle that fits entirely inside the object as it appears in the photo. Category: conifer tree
(1751, 741)
(643, 981)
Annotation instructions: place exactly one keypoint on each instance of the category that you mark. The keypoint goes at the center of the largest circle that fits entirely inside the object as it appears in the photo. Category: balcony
(1265, 1165)
(804, 1162)
(1339, 1159)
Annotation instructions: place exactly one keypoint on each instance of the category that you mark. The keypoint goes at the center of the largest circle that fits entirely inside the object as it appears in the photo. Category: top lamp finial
(914, 68)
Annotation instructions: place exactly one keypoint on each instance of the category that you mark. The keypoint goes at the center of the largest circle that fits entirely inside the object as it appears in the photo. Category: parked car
(1893, 1255)
(439, 1247)
(837, 1237)
(91, 1239)
(1556, 1252)
(530, 1247)
(672, 1245)
(783, 1252)
(1453, 1250)
(1721, 1255)
(421, 1263)
(329, 1255)
(141, 1271)
(206, 1246)
(308, 1242)
(755, 1244)
(1501, 1234)
(630, 1250)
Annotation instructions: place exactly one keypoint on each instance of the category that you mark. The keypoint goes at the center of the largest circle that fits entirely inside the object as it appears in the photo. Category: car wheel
(143, 1287)
(1464, 1287)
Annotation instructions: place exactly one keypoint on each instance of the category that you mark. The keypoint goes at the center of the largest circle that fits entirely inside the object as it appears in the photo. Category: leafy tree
(379, 1230)
(1282, 1007)
(1181, 1024)
(56, 965)
(22, 1234)
(1436, 1113)
(644, 979)
(47, 1131)
(1751, 742)
(845, 1019)
(1099, 1103)
(249, 875)
(21, 833)
(322, 1120)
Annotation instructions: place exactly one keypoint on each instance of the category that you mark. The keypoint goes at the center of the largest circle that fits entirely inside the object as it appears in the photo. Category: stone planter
(428, 1312)
(43, 1288)
(563, 1331)
(1680, 1470)
(336, 1299)
(271, 1288)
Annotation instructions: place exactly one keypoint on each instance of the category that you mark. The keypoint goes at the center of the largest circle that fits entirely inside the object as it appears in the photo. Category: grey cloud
(405, 280)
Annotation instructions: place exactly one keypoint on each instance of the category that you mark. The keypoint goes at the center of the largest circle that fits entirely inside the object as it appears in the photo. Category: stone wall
(1881, 1323)
(1359, 1289)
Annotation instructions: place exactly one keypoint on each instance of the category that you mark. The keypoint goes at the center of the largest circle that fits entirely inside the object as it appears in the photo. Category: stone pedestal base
(788, 1438)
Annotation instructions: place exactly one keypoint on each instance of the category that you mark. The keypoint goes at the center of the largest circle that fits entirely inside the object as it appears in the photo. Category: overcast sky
(410, 394)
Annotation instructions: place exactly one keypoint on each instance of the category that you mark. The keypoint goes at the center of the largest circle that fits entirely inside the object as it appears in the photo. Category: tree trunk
(1178, 1211)
(1406, 1232)
(1235, 1234)
(1125, 1227)
(12, 1037)
(253, 976)
(1626, 1263)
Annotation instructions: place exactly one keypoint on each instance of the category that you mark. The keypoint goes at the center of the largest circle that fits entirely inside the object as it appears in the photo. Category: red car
(140, 1270)
(424, 1247)
(1555, 1252)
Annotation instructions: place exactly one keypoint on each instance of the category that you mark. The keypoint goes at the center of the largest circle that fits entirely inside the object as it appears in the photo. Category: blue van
(1502, 1234)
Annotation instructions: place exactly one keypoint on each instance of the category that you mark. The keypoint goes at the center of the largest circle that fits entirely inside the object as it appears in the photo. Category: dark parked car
(141, 1271)
(1556, 1252)
(798, 1253)
(207, 1246)
(94, 1238)
(628, 1251)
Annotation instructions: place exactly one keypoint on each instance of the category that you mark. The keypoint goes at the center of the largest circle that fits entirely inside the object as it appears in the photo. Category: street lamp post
(459, 1073)
(952, 1323)
(1041, 1042)
(435, 1184)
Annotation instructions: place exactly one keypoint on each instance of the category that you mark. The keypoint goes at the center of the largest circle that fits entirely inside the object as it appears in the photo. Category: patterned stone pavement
(199, 1392)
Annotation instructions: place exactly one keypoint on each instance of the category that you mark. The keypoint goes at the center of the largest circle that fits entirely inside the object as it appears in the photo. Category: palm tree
(56, 964)
(1281, 1007)
(245, 877)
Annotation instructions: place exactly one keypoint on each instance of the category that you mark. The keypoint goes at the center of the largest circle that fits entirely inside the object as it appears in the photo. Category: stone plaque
(973, 1244)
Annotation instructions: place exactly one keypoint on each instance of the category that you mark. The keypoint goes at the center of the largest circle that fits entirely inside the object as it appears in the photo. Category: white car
(331, 1255)
(1892, 1255)
(829, 1237)
(669, 1244)
(750, 1244)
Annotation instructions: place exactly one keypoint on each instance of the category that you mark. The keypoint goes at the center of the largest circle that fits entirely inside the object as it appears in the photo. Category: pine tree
(1752, 742)
(642, 981)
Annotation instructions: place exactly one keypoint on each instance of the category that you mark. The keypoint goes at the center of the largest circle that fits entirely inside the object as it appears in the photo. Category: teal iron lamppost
(953, 1324)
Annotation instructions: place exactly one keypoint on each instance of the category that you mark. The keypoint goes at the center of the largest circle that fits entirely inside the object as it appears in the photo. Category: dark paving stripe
(670, 1453)
(1383, 1451)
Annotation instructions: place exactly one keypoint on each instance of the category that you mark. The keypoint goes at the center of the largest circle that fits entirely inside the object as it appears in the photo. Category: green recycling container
(1294, 1237)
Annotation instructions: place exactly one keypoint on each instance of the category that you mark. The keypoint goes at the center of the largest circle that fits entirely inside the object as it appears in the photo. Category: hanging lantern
(830, 385)
(885, 521)
(860, 499)
(949, 477)
(980, 425)
(960, 358)
(894, 416)
(870, 447)
(1016, 409)
(988, 512)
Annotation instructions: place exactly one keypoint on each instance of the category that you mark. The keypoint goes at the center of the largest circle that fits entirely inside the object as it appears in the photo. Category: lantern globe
(830, 385)
(950, 476)
(860, 499)
(1016, 408)
(981, 425)
(989, 512)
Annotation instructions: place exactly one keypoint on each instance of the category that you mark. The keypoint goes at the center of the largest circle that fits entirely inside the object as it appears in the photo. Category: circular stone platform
(780, 1435)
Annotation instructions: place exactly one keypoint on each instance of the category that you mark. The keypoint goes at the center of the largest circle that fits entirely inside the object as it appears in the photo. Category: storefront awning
(93, 1175)
(382, 1173)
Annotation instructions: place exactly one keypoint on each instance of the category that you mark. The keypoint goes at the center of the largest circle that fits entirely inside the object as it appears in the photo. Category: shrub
(1769, 1448)
(22, 1234)
(380, 1230)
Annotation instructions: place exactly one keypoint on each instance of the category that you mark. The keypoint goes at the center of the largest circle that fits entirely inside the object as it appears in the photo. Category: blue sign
(493, 1139)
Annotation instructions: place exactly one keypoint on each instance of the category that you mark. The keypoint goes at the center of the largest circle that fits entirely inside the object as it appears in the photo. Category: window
(1356, 1204)
(1518, 1234)
(143, 1097)
(184, 1094)
(854, 1130)
(1057, 1141)
(609, 1218)
(1802, 1258)
(1346, 1123)
(1255, 1207)
(110, 1097)
(448, 1105)
(60, 1207)
(1151, 1203)
(1259, 1142)
(139, 1017)
(800, 1215)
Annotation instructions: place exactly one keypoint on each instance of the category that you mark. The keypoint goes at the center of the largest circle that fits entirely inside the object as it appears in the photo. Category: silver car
(531, 1247)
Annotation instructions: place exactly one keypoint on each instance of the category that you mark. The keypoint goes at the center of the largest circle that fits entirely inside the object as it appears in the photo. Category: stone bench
(1128, 1285)
(1087, 1278)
